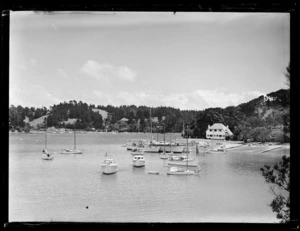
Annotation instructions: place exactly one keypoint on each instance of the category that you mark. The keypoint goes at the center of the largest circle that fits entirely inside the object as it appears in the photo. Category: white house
(218, 132)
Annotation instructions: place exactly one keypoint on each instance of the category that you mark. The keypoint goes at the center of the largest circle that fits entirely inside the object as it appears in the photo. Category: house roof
(217, 126)
(220, 126)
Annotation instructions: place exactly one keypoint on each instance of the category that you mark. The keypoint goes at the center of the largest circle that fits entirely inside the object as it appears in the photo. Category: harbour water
(229, 187)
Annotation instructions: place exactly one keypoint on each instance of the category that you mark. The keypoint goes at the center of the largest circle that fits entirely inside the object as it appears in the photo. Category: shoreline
(228, 145)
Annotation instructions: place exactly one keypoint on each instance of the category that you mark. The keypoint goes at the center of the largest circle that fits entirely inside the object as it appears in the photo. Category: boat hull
(174, 149)
(71, 152)
(163, 157)
(137, 153)
(183, 164)
(152, 150)
(213, 152)
(181, 173)
(138, 163)
(109, 169)
(47, 156)
(179, 158)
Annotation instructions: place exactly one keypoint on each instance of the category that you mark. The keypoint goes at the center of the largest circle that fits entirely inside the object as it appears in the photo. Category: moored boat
(137, 153)
(152, 149)
(174, 149)
(216, 150)
(74, 150)
(71, 151)
(181, 167)
(180, 158)
(46, 155)
(179, 171)
(138, 161)
(109, 166)
(137, 149)
(163, 155)
(182, 163)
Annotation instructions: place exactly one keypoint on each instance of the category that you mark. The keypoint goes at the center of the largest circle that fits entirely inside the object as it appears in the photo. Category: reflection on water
(138, 170)
(229, 187)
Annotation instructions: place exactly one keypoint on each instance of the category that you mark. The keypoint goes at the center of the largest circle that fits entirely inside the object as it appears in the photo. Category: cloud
(54, 27)
(62, 73)
(32, 61)
(34, 95)
(125, 73)
(108, 72)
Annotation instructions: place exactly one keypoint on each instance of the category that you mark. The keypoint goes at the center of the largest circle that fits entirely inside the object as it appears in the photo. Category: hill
(265, 112)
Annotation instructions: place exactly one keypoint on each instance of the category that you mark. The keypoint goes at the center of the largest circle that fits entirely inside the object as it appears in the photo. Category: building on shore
(218, 132)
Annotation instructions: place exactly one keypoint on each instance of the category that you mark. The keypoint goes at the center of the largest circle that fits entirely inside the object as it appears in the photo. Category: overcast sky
(186, 60)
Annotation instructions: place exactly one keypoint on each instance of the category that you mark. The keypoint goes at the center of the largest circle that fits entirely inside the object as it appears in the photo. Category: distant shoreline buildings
(218, 132)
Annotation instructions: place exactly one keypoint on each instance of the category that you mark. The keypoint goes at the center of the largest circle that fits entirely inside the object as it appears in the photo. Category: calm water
(229, 187)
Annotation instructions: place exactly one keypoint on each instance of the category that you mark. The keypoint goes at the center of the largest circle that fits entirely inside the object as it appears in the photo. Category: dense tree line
(253, 120)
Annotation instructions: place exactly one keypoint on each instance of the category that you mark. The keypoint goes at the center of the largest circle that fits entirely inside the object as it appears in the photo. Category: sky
(187, 60)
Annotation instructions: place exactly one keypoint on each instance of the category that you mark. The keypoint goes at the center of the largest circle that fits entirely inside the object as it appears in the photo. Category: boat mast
(46, 133)
(151, 124)
(187, 154)
(139, 130)
(74, 139)
(170, 144)
(164, 141)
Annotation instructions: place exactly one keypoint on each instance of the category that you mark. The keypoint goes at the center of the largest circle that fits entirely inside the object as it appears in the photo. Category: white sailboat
(45, 154)
(74, 150)
(180, 158)
(177, 170)
(164, 154)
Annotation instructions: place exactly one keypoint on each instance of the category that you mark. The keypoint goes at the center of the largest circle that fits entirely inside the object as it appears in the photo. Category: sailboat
(151, 148)
(45, 154)
(74, 150)
(174, 170)
(164, 155)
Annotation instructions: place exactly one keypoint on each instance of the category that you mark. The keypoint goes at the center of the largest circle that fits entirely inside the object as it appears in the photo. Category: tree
(97, 121)
(286, 115)
(15, 117)
(286, 125)
(279, 178)
(260, 134)
(288, 75)
(27, 128)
